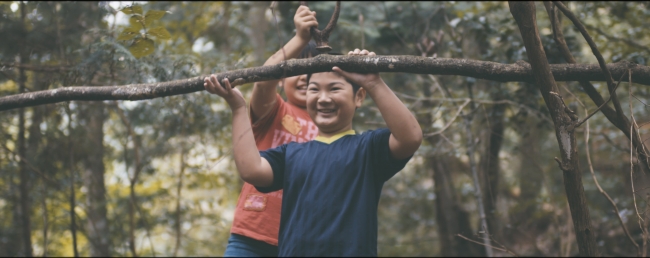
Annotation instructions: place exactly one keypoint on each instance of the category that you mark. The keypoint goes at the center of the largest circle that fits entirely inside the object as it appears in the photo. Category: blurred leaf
(128, 33)
(142, 47)
(160, 33)
(136, 22)
(132, 9)
(153, 15)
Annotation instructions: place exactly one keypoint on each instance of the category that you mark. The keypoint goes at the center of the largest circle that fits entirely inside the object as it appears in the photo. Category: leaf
(132, 9)
(142, 47)
(128, 33)
(136, 22)
(153, 15)
(160, 33)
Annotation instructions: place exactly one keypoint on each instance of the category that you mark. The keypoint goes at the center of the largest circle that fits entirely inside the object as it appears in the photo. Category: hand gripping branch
(322, 37)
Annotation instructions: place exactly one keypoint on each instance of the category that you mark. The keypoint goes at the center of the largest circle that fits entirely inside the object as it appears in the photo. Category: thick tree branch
(519, 71)
(621, 122)
(596, 52)
(563, 118)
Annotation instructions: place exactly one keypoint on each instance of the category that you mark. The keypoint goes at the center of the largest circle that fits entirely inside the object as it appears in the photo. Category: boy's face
(331, 102)
(296, 89)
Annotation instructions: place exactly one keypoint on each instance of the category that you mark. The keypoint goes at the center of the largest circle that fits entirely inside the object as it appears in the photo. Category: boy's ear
(359, 97)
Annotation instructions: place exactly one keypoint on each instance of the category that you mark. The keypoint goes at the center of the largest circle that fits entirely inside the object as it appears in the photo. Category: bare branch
(596, 52)
(600, 189)
(491, 246)
(460, 109)
(613, 38)
(361, 64)
(598, 109)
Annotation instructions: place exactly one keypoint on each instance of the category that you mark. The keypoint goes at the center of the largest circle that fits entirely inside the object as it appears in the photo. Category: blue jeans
(241, 246)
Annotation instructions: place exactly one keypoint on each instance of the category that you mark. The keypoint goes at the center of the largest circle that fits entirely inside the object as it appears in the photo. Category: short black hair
(355, 87)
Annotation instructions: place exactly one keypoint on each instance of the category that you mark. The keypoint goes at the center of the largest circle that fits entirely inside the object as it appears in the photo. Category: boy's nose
(323, 97)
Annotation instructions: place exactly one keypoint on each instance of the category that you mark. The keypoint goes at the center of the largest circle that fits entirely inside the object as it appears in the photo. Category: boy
(332, 184)
(255, 227)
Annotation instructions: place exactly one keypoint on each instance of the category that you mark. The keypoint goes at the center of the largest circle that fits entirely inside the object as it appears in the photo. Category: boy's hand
(366, 81)
(233, 96)
(304, 20)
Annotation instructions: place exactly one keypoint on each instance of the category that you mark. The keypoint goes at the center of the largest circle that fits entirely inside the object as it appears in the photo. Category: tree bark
(489, 165)
(622, 123)
(519, 71)
(25, 202)
(97, 222)
(564, 119)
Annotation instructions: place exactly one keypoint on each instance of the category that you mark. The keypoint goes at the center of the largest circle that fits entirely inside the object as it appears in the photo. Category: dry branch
(621, 122)
(563, 118)
(519, 72)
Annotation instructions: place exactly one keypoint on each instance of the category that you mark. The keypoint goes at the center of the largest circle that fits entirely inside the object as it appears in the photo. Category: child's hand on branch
(304, 20)
(366, 81)
(233, 97)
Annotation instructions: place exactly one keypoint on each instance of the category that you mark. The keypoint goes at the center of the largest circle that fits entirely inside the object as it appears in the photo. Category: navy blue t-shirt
(331, 193)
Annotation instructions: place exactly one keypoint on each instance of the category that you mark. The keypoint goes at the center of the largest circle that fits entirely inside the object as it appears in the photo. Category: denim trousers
(241, 246)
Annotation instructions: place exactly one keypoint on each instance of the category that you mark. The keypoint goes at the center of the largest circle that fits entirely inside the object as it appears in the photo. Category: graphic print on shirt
(294, 131)
(255, 202)
(289, 123)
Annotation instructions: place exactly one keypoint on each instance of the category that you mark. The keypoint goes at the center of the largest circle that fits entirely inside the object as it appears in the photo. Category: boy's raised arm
(406, 134)
(252, 168)
(263, 97)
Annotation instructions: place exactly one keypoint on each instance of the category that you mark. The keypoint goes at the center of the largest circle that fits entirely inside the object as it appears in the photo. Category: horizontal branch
(519, 72)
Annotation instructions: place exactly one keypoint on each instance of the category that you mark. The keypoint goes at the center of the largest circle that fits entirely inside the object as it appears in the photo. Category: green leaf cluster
(140, 30)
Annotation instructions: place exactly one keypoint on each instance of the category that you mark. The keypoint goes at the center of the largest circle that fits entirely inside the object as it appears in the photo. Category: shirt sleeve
(386, 165)
(276, 158)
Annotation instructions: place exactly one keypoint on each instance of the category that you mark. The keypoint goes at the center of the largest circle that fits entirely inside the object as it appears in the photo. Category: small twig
(645, 104)
(578, 124)
(491, 246)
(632, 124)
(610, 37)
(460, 109)
(503, 246)
(389, 23)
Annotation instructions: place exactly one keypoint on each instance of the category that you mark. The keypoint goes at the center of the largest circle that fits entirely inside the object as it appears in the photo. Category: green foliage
(140, 30)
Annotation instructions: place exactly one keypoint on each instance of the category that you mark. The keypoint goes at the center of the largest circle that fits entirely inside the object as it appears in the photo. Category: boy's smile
(296, 89)
(331, 103)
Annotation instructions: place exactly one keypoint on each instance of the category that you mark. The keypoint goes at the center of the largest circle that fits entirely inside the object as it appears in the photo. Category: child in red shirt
(256, 224)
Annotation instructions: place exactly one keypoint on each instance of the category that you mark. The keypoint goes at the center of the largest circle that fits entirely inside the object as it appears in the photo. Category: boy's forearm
(247, 157)
(402, 124)
(291, 50)
(264, 91)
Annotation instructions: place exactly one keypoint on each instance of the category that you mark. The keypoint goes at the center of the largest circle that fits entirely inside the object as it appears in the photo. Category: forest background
(156, 177)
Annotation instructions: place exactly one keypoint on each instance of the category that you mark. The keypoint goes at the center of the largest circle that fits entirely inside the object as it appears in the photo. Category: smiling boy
(255, 226)
(332, 184)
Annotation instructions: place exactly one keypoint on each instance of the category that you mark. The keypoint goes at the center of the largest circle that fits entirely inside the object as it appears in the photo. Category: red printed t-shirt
(257, 214)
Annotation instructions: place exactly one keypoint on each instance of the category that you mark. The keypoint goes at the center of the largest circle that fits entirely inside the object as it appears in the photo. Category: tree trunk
(93, 180)
(259, 27)
(489, 165)
(564, 120)
(25, 202)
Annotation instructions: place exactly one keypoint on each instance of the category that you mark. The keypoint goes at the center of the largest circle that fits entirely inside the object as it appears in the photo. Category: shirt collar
(335, 137)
